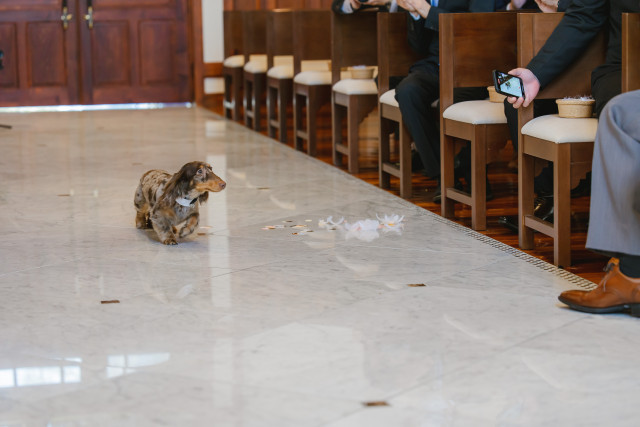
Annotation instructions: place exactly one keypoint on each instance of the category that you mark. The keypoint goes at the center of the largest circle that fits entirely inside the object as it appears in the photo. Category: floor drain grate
(566, 275)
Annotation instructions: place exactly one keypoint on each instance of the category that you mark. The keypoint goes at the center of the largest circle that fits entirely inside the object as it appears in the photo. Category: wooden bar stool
(254, 28)
(395, 57)
(232, 64)
(312, 75)
(567, 142)
(353, 42)
(471, 46)
(280, 71)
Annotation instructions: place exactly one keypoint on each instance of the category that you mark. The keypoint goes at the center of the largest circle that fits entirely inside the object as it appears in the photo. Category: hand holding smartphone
(507, 84)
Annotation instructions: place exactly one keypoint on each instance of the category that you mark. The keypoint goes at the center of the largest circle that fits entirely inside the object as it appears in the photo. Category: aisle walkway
(305, 295)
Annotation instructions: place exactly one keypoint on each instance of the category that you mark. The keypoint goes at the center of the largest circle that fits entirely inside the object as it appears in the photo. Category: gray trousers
(614, 222)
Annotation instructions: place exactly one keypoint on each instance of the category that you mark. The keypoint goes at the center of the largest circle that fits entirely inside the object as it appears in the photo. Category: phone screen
(507, 84)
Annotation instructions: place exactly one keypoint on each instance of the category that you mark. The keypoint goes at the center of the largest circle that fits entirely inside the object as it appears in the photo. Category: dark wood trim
(197, 49)
(212, 69)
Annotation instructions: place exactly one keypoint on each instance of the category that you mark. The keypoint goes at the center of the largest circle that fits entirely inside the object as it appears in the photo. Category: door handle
(66, 16)
(89, 16)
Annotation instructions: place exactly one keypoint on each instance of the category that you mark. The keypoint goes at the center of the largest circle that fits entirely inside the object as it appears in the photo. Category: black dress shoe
(416, 162)
(437, 196)
(583, 188)
(542, 208)
(510, 222)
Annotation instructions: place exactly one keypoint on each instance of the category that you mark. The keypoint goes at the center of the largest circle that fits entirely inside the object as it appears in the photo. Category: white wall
(212, 30)
(212, 40)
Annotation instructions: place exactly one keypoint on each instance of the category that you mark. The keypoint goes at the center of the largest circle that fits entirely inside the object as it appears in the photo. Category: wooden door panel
(40, 56)
(110, 53)
(138, 52)
(157, 53)
(118, 4)
(46, 54)
(9, 74)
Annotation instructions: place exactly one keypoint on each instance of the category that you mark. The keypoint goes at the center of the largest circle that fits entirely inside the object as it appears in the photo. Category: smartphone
(509, 85)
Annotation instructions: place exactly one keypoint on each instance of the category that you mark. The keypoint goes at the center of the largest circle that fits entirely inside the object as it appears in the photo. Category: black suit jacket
(580, 24)
(423, 33)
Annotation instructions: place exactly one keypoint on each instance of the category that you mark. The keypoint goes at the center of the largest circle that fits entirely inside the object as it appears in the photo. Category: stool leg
(562, 206)
(272, 95)
(337, 114)
(405, 161)
(384, 151)
(352, 134)
(447, 147)
(285, 92)
(526, 174)
(298, 101)
(479, 180)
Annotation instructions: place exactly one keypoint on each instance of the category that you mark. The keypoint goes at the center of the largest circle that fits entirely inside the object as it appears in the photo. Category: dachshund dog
(169, 203)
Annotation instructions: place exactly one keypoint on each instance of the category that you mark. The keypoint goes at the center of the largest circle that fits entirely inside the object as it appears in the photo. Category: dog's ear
(179, 183)
(203, 198)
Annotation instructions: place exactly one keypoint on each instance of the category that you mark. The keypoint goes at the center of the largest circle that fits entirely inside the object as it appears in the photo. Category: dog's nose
(223, 185)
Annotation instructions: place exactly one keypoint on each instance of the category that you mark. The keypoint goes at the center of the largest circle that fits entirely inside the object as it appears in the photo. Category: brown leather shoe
(615, 293)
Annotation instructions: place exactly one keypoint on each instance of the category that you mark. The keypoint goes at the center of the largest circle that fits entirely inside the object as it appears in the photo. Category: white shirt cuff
(346, 7)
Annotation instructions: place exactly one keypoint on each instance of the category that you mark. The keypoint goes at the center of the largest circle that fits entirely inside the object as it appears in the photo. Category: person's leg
(614, 216)
(415, 94)
(614, 222)
(604, 87)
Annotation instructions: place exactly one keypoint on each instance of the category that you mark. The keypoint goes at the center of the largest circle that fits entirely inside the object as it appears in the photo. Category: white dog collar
(185, 202)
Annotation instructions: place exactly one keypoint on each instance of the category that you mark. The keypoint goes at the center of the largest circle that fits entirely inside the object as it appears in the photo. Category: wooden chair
(395, 57)
(254, 29)
(232, 64)
(471, 46)
(280, 71)
(567, 142)
(311, 87)
(353, 42)
(630, 51)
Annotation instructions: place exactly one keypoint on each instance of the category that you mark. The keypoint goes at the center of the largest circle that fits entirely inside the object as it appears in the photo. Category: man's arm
(580, 24)
(344, 7)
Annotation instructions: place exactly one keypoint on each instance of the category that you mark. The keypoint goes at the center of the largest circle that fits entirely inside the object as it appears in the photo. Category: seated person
(421, 87)
(614, 222)
(543, 206)
(582, 20)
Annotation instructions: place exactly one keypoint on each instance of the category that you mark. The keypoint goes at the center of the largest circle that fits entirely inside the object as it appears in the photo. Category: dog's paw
(170, 241)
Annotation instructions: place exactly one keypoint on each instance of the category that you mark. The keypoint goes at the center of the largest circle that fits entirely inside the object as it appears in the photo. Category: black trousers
(415, 94)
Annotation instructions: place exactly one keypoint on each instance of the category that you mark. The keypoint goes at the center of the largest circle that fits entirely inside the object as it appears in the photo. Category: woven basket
(361, 72)
(495, 96)
(575, 108)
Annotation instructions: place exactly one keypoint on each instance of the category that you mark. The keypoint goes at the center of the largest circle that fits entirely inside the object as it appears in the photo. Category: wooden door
(123, 51)
(39, 53)
(134, 51)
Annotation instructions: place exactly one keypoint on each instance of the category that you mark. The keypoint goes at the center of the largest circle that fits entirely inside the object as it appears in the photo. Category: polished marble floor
(306, 298)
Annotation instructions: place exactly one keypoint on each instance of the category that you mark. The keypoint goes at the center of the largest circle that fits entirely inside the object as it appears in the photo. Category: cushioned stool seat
(389, 98)
(356, 87)
(234, 61)
(256, 64)
(476, 112)
(561, 130)
(358, 97)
